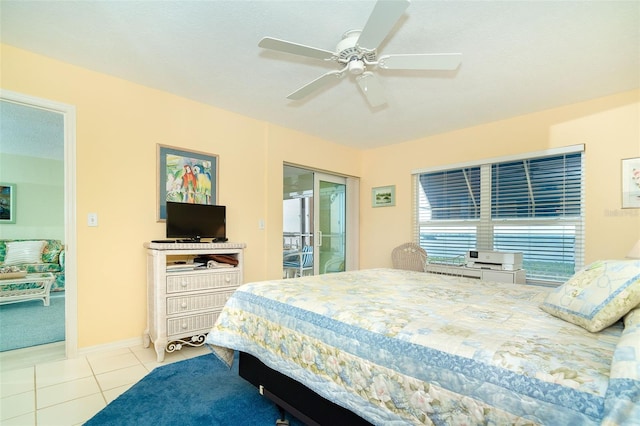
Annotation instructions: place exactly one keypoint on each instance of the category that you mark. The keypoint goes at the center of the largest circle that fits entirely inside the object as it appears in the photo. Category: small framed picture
(631, 183)
(7, 203)
(185, 177)
(383, 196)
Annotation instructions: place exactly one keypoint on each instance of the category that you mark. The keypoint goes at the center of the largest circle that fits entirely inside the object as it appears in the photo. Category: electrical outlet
(92, 219)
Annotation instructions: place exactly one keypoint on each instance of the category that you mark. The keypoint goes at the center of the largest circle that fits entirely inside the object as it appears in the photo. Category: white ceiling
(31, 132)
(518, 57)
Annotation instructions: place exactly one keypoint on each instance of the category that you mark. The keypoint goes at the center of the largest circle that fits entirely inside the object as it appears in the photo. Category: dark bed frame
(293, 397)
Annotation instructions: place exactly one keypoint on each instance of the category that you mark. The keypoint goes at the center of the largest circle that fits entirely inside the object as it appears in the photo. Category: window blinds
(530, 204)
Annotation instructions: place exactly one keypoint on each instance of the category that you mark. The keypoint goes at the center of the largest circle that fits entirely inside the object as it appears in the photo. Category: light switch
(92, 219)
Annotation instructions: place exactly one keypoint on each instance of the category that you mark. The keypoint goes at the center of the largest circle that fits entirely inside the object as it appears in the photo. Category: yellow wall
(608, 127)
(119, 124)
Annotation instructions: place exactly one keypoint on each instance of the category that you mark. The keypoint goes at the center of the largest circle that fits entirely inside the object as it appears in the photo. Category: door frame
(71, 288)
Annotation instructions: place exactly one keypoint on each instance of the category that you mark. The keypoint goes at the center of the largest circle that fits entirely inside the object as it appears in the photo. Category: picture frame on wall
(383, 196)
(631, 183)
(7, 203)
(185, 176)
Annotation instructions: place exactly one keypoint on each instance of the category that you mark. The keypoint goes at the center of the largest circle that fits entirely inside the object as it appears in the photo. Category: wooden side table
(41, 291)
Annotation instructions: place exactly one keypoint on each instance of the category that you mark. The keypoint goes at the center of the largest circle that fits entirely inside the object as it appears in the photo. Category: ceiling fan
(356, 54)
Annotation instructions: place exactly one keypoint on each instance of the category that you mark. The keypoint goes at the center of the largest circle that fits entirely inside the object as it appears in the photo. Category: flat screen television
(192, 222)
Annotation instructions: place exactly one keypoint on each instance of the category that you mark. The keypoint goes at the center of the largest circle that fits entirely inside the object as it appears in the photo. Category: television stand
(184, 303)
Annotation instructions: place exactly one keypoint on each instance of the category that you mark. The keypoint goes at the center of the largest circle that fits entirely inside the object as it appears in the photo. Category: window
(532, 204)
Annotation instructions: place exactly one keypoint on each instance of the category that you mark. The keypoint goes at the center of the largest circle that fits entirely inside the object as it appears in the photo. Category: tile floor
(38, 387)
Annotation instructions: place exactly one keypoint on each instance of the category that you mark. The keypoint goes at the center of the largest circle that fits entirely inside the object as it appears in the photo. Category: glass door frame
(320, 258)
(352, 214)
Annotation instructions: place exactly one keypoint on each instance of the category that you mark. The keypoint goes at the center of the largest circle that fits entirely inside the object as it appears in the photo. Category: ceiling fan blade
(316, 84)
(425, 61)
(384, 16)
(294, 48)
(371, 89)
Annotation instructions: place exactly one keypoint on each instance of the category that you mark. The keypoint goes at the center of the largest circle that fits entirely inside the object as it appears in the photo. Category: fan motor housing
(348, 50)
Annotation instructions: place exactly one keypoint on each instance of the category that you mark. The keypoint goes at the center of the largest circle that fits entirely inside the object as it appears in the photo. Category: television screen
(195, 221)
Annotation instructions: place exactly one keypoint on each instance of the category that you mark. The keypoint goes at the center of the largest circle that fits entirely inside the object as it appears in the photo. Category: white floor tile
(145, 355)
(196, 351)
(17, 405)
(107, 354)
(67, 391)
(72, 412)
(169, 358)
(28, 419)
(121, 377)
(17, 381)
(62, 371)
(114, 362)
(111, 394)
(28, 357)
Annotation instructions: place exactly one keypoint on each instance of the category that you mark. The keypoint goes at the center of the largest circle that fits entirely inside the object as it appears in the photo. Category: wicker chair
(409, 256)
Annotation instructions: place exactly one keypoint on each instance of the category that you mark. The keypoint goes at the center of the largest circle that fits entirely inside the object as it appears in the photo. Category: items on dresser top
(219, 260)
(182, 266)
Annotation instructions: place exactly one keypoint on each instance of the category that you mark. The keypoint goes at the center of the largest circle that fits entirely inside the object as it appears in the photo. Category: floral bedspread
(403, 347)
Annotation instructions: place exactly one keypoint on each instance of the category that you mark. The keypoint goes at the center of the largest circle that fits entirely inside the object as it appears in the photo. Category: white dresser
(183, 303)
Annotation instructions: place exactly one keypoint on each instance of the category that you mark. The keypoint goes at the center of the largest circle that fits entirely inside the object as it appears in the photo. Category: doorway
(68, 116)
(316, 222)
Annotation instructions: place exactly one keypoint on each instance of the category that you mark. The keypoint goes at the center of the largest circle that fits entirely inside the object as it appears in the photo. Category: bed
(400, 347)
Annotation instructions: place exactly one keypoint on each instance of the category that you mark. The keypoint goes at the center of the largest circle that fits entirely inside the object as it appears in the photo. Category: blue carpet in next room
(29, 323)
(197, 391)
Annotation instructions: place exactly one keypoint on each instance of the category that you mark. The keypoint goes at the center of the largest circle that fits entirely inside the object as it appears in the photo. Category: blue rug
(197, 391)
(30, 323)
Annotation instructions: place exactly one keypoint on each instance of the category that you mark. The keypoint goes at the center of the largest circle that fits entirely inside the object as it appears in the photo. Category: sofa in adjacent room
(34, 255)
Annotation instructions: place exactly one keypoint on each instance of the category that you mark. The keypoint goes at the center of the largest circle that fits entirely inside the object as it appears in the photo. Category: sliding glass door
(331, 223)
(314, 222)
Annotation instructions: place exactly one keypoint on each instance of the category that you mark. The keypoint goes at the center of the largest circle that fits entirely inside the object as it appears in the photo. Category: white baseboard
(120, 344)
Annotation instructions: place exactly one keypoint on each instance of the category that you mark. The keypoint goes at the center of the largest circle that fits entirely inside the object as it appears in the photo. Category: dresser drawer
(202, 281)
(184, 326)
(197, 302)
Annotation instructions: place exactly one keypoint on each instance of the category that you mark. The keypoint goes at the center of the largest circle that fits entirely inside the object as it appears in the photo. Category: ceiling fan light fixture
(356, 66)
(371, 89)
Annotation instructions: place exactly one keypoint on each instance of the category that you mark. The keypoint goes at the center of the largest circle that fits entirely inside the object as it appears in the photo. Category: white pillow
(24, 252)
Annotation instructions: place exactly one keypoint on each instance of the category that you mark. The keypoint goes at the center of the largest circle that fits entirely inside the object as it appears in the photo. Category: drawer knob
(183, 283)
(184, 305)
(227, 279)
(184, 325)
